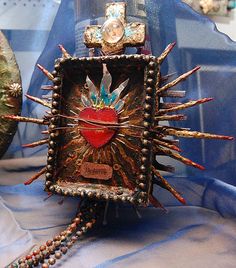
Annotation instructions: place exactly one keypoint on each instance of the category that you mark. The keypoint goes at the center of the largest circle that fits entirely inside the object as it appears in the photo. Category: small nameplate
(96, 171)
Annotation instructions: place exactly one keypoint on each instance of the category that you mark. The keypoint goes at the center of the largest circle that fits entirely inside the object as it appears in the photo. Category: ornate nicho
(10, 93)
(104, 130)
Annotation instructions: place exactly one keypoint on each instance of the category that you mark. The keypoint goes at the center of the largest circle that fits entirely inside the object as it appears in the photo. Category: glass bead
(112, 31)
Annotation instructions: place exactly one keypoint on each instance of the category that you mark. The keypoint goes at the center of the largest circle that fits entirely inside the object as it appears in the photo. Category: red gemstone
(98, 137)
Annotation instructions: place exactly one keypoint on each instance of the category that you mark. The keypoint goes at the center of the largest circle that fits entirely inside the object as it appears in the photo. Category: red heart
(98, 137)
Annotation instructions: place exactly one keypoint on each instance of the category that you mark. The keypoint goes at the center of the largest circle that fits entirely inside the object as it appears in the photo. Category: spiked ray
(167, 105)
(120, 171)
(128, 144)
(87, 152)
(47, 87)
(184, 106)
(167, 145)
(125, 179)
(176, 117)
(36, 176)
(164, 184)
(161, 167)
(131, 133)
(47, 97)
(160, 129)
(173, 94)
(108, 154)
(178, 157)
(155, 202)
(26, 119)
(46, 72)
(178, 80)
(166, 52)
(65, 54)
(124, 156)
(35, 144)
(37, 100)
(95, 156)
(133, 112)
(78, 142)
(195, 134)
(175, 142)
(166, 77)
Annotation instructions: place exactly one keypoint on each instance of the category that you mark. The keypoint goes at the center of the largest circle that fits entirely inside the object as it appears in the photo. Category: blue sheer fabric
(200, 234)
(198, 43)
(196, 235)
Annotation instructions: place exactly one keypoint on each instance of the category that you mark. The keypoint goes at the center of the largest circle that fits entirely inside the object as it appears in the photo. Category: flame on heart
(101, 108)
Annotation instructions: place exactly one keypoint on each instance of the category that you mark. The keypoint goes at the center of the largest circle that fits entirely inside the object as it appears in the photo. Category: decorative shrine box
(103, 109)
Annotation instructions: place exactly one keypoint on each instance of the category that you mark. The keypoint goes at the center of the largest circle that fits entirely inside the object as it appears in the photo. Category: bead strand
(44, 251)
(64, 248)
(54, 249)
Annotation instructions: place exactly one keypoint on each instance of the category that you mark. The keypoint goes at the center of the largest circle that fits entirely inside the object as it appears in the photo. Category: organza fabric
(200, 234)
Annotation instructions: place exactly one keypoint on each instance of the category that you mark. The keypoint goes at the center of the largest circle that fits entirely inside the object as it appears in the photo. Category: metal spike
(173, 94)
(195, 134)
(47, 87)
(65, 54)
(175, 142)
(176, 117)
(167, 145)
(168, 105)
(46, 72)
(166, 52)
(36, 176)
(160, 128)
(25, 119)
(167, 186)
(178, 80)
(179, 158)
(156, 203)
(184, 106)
(38, 100)
(35, 144)
(166, 77)
(162, 167)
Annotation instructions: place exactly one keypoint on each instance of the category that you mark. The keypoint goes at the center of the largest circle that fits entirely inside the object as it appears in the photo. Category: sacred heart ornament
(96, 123)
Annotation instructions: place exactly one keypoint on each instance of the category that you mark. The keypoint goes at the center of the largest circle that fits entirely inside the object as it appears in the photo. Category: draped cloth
(196, 235)
(201, 234)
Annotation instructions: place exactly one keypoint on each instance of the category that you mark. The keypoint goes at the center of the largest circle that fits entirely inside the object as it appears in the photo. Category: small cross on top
(115, 34)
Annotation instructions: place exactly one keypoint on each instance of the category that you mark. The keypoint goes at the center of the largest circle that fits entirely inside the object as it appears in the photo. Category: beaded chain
(47, 255)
